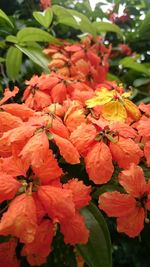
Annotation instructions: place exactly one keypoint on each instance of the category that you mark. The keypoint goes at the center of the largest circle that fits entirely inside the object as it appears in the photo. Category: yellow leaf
(102, 97)
(132, 109)
(114, 111)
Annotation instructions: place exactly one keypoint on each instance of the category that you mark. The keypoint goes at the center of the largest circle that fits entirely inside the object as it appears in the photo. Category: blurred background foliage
(21, 57)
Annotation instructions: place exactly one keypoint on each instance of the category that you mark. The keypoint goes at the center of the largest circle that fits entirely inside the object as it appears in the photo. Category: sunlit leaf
(44, 18)
(107, 27)
(6, 18)
(31, 34)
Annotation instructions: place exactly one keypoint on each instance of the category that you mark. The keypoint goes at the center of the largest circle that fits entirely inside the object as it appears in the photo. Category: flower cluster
(72, 113)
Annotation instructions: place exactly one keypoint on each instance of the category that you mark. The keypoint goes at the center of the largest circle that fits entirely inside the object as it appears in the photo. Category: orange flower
(57, 202)
(74, 230)
(18, 110)
(125, 151)
(45, 4)
(8, 122)
(20, 219)
(130, 209)
(8, 186)
(8, 94)
(145, 108)
(98, 163)
(74, 116)
(67, 150)
(36, 149)
(8, 254)
(59, 93)
(143, 127)
(83, 137)
(81, 193)
(15, 139)
(49, 169)
(39, 249)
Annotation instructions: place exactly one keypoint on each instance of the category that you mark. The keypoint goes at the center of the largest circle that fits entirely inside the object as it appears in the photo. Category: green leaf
(13, 62)
(6, 18)
(44, 18)
(31, 34)
(84, 23)
(112, 77)
(107, 27)
(64, 17)
(141, 81)
(2, 59)
(74, 19)
(129, 62)
(97, 252)
(12, 39)
(36, 55)
(145, 25)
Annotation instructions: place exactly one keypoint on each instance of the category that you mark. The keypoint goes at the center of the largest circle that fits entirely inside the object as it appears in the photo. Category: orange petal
(81, 192)
(8, 186)
(8, 94)
(36, 150)
(132, 224)
(58, 93)
(147, 153)
(18, 110)
(74, 230)
(8, 254)
(125, 151)
(57, 202)
(18, 220)
(116, 204)
(49, 170)
(83, 137)
(39, 249)
(8, 121)
(133, 181)
(67, 150)
(99, 163)
(144, 127)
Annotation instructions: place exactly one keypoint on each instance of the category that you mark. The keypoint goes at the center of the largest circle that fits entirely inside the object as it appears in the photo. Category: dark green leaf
(31, 34)
(141, 81)
(145, 26)
(36, 55)
(5, 17)
(97, 252)
(44, 18)
(13, 62)
(107, 27)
